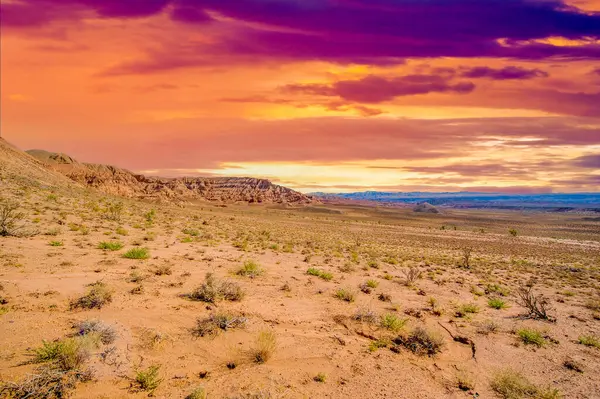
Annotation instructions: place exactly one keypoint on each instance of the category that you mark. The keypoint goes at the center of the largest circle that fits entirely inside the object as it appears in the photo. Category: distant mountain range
(554, 202)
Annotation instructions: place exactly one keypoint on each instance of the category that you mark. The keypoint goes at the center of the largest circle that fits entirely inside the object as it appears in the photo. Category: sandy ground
(315, 331)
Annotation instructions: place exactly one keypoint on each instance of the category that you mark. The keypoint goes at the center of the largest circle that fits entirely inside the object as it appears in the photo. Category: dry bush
(45, 383)
(213, 290)
(10, 219)
(536, 305)
(265, 346)
(466, 257)
(97, 296)
(365, 315)
(114, 211)
(217, 322)
(421, 342)
(107, 334)
(411, 275)
(509, 384)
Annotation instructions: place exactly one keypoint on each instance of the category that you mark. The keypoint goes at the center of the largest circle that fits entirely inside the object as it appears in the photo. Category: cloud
(377, 32)
(376, 89)
(506, 73)
(588, 161)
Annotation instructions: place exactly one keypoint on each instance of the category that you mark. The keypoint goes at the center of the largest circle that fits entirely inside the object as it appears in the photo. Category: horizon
(317, 96)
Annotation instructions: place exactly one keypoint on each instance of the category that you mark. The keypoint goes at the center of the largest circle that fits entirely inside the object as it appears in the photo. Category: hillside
(19, 170)
(117, 181)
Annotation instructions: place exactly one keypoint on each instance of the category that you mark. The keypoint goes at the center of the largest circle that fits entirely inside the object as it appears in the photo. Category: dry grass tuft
(264, 348)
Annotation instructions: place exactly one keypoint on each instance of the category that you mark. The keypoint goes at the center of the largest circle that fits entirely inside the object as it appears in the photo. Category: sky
(317, 95)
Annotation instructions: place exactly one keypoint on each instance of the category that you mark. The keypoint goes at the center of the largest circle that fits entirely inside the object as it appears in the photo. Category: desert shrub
(55, 243)
(312, 271)
(497, 303)
(122, 231)
(198, 393)
(513, 232)
(45, 383)
(110, 245)
(162, 270)
(107, 334)
(384, 297)
(590, 340)
(250, 269)
(496, 289)
(411, 275)
(510, 384)
(345, 294)
(114, 211)
(217, 322)
(467, 308)
(537, 305)
(487, 327)
(148, 379)
(593, 304)
(321, 377)
(10, 218)
(347, 268)
(531, 337)
(365, 315)
(465, 382)
(97, 296)
(466, 257)
(265, 346)
(149, 216)
(67, 354)
(421, 342)
(378, 344)
(137, 253)
(213, 290)
(392, 322)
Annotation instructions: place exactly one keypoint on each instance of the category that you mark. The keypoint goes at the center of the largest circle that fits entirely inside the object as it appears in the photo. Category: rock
(121, 182)
(425, 207)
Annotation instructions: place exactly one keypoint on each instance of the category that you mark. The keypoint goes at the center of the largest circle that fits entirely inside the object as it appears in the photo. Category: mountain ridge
(122, 182)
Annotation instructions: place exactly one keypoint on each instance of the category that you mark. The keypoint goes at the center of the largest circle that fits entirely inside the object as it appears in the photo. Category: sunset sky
(318, 95)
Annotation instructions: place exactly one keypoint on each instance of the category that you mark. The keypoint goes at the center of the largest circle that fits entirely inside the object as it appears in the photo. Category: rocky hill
(20, 171)
(116, 181)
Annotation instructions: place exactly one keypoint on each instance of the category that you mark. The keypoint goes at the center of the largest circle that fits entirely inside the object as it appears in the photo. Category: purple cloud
(356, 31)
(375, 89)
(506, 73)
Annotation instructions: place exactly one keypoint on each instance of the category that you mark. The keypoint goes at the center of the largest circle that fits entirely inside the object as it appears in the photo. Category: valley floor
(332, 297)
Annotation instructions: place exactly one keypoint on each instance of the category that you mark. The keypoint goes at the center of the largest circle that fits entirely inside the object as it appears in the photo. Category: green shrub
(148, 379)
(110, 245)
(345, 294)
(319, 273)
(321, 377)
(250, 269)
(392, 322)
(497, 303)
(590, 340)
(466, 309)
(67, 354)
(532, 337)
(372, 283)
(509, 384)
(198, 393)
(137, 253)
(55, 243)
